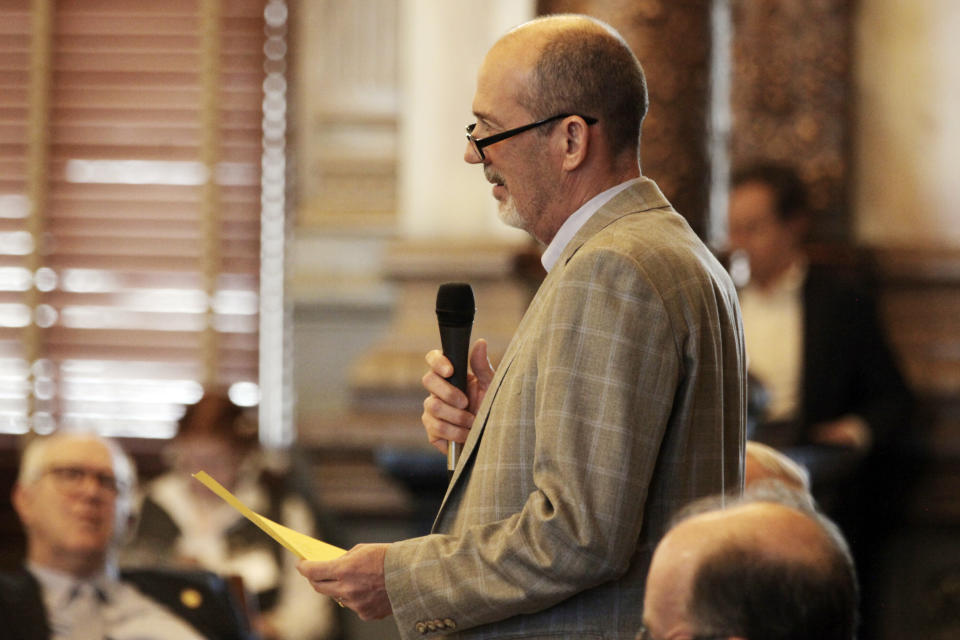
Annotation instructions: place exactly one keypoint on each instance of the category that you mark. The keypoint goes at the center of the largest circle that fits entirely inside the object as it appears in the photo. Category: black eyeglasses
(72, 478)
(480, 143)
(644, 634)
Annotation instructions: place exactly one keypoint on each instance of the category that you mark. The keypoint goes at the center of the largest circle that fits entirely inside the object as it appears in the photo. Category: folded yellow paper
(305, 547)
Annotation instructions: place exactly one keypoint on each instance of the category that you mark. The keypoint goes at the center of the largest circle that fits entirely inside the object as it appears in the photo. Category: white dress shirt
(773, 330)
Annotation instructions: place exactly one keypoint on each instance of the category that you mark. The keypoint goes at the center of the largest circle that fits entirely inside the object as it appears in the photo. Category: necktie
(85, 611)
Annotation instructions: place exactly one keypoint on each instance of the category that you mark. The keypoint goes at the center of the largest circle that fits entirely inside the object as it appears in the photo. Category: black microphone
(455, 311)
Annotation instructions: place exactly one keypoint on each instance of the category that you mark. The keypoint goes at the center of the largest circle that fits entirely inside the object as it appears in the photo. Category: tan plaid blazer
(620, 398)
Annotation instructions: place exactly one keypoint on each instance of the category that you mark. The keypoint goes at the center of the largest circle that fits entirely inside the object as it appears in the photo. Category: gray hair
(34, 459)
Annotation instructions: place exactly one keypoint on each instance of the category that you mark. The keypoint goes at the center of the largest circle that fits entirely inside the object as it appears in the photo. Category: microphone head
(455, 304)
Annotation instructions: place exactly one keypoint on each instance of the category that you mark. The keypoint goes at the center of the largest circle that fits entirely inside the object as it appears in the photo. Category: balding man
(73, 495)
(620, 397)
(767, 567)
(764, 465)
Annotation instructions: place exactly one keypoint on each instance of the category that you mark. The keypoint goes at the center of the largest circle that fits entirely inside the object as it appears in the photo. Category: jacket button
(421, 627)
(449, 623)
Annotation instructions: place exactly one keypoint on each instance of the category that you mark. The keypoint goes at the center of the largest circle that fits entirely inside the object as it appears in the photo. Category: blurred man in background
(814, 338)
(74, 495)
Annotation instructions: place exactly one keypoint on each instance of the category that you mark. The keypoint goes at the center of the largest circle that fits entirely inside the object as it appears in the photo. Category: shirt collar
(576, 220)
(58, 587)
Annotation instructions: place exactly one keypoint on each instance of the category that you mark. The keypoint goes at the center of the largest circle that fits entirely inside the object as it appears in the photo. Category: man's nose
(90, 484)
(470, 154)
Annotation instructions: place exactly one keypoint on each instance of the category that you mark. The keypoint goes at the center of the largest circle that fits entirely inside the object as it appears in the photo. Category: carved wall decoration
(672, 40)
(791, 96)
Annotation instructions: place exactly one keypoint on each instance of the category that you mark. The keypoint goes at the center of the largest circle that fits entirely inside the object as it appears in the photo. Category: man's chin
(508, 214)
(88, 540)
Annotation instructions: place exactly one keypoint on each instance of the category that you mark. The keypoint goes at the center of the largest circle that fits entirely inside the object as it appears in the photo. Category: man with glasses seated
(621, 395)
(767, 566)
(74, 496)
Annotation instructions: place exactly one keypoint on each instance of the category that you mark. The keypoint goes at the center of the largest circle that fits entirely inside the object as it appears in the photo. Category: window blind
(122, 305)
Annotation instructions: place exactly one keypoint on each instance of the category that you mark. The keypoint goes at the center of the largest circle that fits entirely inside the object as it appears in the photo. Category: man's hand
(848, 431)
(264, 625)
(447, 412)
(354, 580)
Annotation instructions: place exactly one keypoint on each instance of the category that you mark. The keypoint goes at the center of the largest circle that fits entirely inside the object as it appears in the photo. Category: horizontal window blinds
(123, 305)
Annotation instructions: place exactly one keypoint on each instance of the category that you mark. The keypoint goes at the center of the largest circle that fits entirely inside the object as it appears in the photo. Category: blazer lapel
(478, 424)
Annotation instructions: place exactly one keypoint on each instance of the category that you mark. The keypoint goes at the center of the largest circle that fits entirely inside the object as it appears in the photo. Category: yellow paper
(305, 547)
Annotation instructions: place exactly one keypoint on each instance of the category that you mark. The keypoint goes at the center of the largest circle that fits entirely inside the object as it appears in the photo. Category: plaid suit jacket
(620, 398)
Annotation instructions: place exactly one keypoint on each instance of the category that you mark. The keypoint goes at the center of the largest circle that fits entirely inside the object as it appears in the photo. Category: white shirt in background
(773, 329)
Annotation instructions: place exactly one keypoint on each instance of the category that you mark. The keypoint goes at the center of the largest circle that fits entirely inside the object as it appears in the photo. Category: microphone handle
(455, 340)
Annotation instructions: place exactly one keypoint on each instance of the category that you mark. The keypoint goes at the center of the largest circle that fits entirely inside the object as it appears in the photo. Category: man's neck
(576, 220)
(771, 280)
(77, 565)
(585, 186)
(580, 189)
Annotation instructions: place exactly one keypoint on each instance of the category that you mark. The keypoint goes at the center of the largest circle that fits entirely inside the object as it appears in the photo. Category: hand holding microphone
(455, 310)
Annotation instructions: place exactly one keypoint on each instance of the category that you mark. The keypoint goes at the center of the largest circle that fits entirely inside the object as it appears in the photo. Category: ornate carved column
(790, 96)
(673, 41)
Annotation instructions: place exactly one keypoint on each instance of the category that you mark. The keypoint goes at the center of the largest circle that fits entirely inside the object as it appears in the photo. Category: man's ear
(576, 141)
(21, 502)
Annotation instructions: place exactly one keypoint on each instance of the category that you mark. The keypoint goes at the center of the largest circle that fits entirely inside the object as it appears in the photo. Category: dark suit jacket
(848, 368)
(22, 616)
(848, 365)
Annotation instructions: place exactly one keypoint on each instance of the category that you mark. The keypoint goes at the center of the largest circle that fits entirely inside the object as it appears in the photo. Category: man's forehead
(508, 63)
(753, 197)
(497, 93)
(83, 451)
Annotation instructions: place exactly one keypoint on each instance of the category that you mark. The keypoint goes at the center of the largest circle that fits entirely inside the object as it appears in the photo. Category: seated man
(835, 398)
(763, 567)
(73, 495)
(815, 340)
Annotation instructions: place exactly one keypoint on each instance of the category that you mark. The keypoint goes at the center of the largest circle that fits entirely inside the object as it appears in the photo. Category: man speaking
(620, 397)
